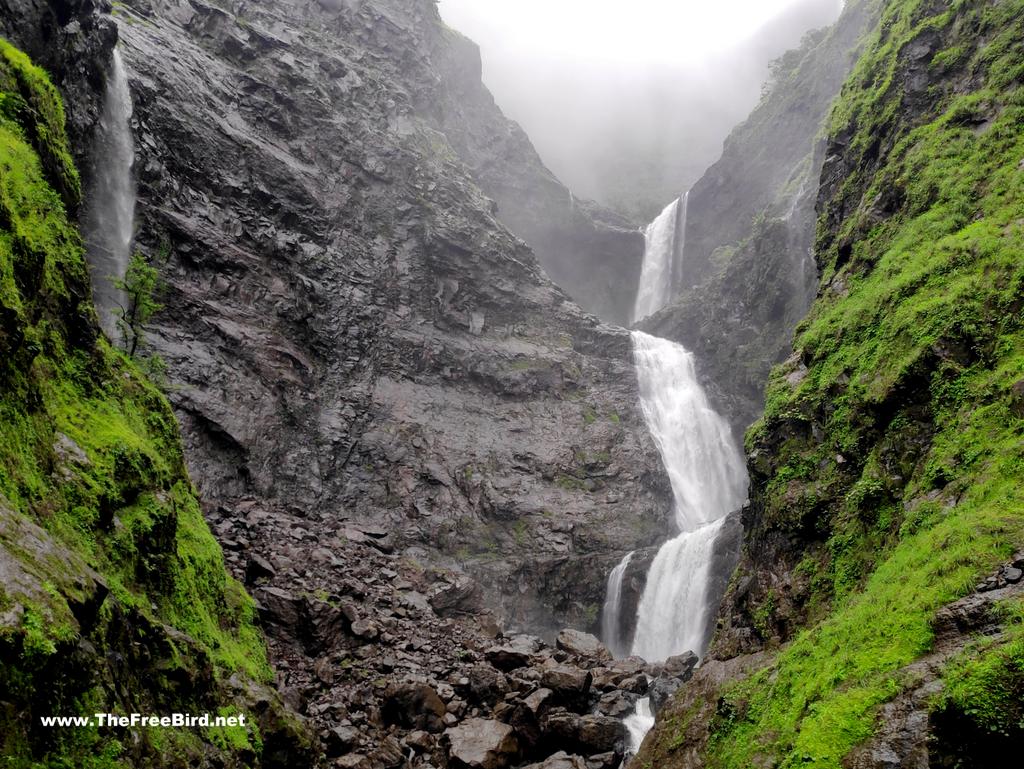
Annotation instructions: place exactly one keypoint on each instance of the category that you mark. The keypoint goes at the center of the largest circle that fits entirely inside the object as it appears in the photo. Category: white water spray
(663, 251)
(111, 202)
(611, 613)
(704, 465)
(673, 615)
(638, 724)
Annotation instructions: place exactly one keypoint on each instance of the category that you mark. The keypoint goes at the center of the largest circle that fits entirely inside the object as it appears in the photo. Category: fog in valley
(629, 103)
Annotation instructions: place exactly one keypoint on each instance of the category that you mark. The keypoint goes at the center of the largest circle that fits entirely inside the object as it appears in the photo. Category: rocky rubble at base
(396, 663)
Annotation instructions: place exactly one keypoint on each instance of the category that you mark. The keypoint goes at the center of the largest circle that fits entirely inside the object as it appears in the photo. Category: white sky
(638, 32)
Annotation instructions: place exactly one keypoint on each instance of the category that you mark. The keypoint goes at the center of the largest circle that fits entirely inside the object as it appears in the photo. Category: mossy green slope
(115, 597)
(891, 453)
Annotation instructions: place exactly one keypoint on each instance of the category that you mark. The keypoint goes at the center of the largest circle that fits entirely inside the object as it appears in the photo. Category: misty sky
(628, 102)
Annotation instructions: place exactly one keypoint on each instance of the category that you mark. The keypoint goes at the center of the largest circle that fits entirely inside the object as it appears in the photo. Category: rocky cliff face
(349, 332)
(402, 430)
(875, 618)
(747, 272)
(591, 252)
(113, 593)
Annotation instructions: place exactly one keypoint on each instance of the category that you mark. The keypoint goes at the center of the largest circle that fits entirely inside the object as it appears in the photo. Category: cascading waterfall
(709, 480)
(611, 619)
(663, 251)
(673, 612)
(110, 212)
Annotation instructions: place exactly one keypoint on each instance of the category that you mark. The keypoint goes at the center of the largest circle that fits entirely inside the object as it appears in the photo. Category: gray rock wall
(349, 331)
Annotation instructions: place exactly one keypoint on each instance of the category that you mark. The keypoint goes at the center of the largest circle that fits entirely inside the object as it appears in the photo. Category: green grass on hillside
(912, 477)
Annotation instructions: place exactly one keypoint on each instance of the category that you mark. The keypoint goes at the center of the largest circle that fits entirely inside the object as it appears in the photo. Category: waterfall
(806, 271)
(110, 211)
(709, 480)
(663, 251)
(611, 623)
(673, 615)
(704, 465)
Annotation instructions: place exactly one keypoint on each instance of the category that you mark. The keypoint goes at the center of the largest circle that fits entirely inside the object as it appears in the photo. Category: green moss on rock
(115, 595)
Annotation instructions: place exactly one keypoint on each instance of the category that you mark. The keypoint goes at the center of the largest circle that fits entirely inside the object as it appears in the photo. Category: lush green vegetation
(90, 453)
(986, 682)
(893, 444)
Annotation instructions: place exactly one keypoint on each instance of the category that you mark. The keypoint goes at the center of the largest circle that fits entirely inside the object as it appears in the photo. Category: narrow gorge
(330, 416)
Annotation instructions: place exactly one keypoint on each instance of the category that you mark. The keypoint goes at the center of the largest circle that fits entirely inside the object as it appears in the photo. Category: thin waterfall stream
(664, 239)
(110, 206)
(610, 628)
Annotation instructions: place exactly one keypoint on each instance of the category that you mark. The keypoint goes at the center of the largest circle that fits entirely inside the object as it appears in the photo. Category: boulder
(604, 761)
(630, 665)
(607, 679)
(484, 685)
(258, 568)
(420, 741)
(601, 734)
(661, 691)
(340, 740)
(480, 743)
(365, 629)
(388, 754)
(517, 652)
(560, 760)
(568, 682)
(636, 684)
(681, 666)
(583, 645)
(278, 606)
(523, 719)
(462, 595)
(616, 704)
(539, 700)
(413, 705)
(588, 735)
(559, 727)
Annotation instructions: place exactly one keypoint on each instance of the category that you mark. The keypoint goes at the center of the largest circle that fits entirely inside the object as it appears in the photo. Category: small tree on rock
(141, 285)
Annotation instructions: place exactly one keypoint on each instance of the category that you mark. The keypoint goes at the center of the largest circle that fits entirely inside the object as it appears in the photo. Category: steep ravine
(875, 619)
(405, 436)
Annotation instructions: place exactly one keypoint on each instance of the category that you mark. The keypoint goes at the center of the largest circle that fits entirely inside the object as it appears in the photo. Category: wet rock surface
(347, 327)
(593, 253)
